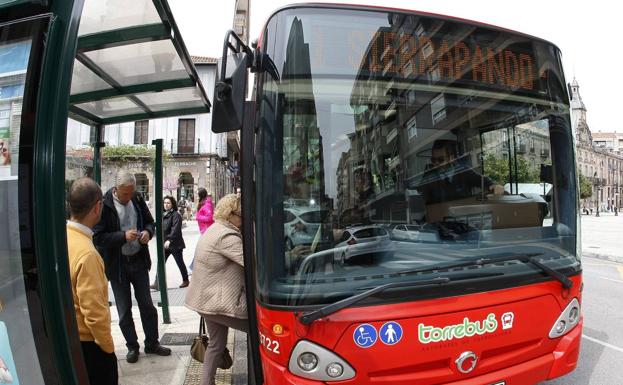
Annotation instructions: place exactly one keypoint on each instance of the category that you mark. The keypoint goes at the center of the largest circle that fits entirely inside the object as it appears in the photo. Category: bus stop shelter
(131, 64)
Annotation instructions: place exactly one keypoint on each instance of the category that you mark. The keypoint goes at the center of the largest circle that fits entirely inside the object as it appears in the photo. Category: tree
(586, 187)
(169, 184)
(497, 170)
(127, 152)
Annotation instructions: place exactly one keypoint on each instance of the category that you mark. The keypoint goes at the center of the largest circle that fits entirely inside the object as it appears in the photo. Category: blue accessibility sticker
(390, 333)
(365, 335)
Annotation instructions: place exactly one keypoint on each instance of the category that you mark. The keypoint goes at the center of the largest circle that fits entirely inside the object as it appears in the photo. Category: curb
(605, 257)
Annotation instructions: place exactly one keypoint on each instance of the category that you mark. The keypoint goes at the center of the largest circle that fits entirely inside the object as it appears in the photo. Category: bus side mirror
(231, 85)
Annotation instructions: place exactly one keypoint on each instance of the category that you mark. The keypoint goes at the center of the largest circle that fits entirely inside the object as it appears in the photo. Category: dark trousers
(179, 259)
(101, 366)
(137, 275)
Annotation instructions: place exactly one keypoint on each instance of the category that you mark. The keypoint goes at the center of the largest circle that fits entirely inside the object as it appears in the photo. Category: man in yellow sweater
(88, 283)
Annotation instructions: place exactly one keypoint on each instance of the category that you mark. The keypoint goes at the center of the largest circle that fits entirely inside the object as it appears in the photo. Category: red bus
(410, 199)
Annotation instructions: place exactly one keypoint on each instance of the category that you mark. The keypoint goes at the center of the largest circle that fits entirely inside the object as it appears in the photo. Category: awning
(131, 64)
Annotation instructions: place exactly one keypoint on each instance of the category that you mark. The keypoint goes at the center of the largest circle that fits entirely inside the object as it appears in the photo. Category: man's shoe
(158, 349)
(132, 355)
(185, 284)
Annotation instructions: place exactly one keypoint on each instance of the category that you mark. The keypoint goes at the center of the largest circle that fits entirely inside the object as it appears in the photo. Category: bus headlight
(335, 370)
(567, 320)
(307, 361)
(314, 362)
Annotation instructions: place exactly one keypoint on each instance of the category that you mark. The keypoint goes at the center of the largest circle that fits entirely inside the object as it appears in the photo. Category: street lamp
(616, 199)
(598, 192)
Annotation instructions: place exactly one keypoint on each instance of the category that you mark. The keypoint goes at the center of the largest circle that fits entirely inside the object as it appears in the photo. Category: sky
(586, 32)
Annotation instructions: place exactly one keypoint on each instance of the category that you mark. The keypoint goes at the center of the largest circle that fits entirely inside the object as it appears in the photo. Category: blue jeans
(137, 275)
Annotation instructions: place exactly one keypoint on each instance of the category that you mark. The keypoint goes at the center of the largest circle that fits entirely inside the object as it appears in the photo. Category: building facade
(599, 158)
(195, 156)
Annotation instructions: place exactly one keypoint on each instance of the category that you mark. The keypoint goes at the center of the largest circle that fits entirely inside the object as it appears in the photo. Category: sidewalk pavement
(178, 368)
(602, 237)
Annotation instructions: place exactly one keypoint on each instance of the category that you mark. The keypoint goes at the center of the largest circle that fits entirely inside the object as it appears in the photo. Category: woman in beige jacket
(216, 289)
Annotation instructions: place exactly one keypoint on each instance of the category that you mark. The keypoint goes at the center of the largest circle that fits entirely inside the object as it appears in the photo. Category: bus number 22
(271, 345)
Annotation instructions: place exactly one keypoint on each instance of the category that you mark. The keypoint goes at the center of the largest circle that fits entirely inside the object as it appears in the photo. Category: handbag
(200, 343)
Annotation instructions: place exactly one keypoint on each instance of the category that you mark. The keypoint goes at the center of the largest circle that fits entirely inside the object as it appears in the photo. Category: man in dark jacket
(121, 237)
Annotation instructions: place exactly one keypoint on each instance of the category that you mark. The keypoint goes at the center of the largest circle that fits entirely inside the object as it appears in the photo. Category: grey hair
(125, 178)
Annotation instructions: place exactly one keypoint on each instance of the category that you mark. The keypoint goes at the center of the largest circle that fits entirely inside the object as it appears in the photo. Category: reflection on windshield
(375, 160)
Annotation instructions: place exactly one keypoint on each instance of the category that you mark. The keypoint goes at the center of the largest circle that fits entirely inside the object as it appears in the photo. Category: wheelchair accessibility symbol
(365, 335)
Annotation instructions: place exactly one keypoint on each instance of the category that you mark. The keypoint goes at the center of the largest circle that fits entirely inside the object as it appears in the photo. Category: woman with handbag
(217, 290)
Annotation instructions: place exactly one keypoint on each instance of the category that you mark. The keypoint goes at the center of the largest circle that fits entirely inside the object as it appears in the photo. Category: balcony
(191, 147)
(597, 181)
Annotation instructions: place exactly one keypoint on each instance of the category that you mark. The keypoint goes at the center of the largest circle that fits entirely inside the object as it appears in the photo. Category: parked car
(304, 233)
(415, 233)
(301, 224)
(363, 244)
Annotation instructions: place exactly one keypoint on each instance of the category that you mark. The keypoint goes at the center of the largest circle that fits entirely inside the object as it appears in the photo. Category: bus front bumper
(562, 360)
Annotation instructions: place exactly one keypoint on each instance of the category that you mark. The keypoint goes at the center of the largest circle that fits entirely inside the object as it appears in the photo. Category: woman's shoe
(184, 284)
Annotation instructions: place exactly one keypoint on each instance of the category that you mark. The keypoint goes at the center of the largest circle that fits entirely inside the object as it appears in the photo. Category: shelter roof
(131, 64)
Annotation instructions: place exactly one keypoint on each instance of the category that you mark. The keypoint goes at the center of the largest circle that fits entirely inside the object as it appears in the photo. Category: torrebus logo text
(467, 328)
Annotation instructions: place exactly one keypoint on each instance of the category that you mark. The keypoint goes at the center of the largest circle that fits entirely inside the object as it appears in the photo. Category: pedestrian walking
(89, 286)
(173, 240)
(182, 206)
(205, 214)
(121, 236)
(205, 210)
(217, 290)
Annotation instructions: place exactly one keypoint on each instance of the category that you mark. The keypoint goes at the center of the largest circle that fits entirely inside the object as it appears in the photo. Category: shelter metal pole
(162, 275)
(97, 153)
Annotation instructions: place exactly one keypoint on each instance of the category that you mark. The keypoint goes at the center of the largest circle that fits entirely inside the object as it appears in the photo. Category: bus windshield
(391, 142)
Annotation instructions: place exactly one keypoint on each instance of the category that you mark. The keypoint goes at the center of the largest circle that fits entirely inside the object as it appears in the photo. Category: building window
(186, 136)
(141, 129)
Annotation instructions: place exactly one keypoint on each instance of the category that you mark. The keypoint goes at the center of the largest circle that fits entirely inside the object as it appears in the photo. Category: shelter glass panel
(84, 80)
(111, 107)
(174, 99)
(19, 362)
(98, 16)
(140, 63)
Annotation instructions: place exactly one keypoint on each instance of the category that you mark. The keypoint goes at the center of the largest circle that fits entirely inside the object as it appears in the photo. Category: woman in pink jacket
(205, 210)
(204, 216)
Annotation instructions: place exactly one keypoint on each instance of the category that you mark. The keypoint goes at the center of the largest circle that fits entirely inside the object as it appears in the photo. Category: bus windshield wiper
(309, 317)
(525, 258)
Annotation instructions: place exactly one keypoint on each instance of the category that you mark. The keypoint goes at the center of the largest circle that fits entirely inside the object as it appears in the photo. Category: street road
(601, 354)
